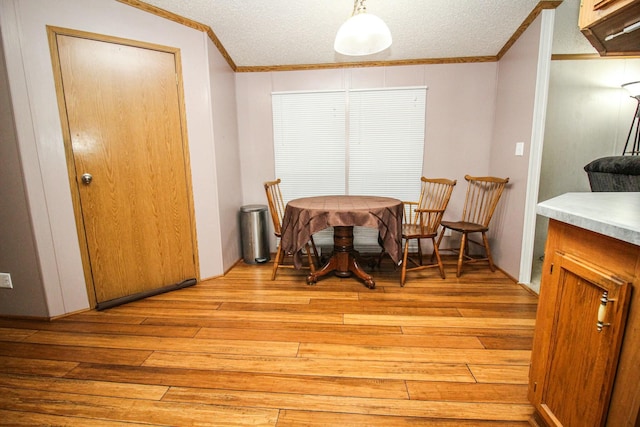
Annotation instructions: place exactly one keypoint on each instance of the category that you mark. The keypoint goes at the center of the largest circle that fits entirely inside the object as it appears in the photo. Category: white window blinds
(309, 143)
(362, 142)
(386, 142)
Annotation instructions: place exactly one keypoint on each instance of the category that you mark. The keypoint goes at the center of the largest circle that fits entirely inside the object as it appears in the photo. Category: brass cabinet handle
(602, 311)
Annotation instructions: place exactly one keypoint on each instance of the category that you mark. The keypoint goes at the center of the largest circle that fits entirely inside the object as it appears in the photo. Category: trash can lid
(253, 208)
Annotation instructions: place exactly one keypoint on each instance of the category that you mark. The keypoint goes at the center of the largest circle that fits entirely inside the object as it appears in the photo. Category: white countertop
(613, 214)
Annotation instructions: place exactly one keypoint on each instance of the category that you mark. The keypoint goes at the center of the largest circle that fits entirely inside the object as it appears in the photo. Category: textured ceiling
(287, 32)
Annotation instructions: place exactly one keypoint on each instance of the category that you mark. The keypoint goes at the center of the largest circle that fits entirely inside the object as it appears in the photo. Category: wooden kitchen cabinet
(600, 19)
(583, 373)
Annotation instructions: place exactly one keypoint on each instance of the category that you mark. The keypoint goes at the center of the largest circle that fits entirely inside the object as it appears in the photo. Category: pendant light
(362, 34)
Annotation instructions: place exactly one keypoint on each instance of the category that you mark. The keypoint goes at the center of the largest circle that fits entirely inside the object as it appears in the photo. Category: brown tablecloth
(306, 216)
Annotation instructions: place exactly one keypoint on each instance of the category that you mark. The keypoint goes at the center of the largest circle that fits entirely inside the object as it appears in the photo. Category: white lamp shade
(633, 88)
(362, 34)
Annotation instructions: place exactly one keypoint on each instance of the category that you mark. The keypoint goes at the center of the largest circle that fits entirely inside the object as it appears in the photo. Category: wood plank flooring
(245, 350)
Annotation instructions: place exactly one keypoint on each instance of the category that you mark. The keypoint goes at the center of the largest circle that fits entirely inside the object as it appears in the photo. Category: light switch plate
(5, 281)
(519, 148)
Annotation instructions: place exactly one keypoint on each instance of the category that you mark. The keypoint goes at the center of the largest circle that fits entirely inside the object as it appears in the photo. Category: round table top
(305, 216)
(344, 203)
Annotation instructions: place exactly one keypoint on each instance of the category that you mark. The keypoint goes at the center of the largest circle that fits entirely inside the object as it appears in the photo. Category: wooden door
(125, 132)
(582, 355)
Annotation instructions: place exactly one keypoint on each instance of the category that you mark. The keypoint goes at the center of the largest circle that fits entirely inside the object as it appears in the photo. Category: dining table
(305, 216)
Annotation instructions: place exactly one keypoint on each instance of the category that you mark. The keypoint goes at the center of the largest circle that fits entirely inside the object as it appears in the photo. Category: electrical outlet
(5, 281)
(447, 232)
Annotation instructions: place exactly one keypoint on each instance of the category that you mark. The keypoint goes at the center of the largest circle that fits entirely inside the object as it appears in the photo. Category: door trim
(52, 33)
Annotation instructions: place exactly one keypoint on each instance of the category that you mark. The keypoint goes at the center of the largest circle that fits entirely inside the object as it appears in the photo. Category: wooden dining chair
(276, 208)
(421, 220)
(483, 195)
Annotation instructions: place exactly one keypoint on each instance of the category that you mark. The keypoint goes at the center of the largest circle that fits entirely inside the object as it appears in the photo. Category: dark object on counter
(614, 173)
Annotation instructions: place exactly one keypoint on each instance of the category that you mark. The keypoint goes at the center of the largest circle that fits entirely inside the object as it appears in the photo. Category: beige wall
(18, 254)
(517, 121)
(226, 155)
(211, 139)
(475, 114)
(459, 121)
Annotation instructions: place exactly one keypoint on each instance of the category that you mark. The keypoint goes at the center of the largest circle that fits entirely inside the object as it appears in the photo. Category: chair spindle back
(483, 194)
(276, 204)
(434, 198)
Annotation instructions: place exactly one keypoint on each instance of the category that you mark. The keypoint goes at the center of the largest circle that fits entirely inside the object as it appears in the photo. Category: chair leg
(312, 264)
(405, 256)
(315, 252)
(419, 251)
(488, 251)
(382, 254)
(437, 243)
(441, 236)
(463, 248)
(436, 252)
(276, 262)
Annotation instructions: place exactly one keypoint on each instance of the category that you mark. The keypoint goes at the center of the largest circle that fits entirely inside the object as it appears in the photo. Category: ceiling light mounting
(362, 34)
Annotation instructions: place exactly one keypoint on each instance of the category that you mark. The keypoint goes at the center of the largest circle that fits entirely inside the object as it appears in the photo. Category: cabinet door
(583, 353)
(592, 11)
(606, 24)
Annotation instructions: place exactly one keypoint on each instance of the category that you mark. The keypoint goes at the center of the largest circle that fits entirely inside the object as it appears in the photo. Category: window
(368, 142)
(386, 142)
(309, 143)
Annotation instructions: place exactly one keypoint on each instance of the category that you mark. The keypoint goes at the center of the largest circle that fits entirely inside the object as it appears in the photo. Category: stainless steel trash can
(255, 239)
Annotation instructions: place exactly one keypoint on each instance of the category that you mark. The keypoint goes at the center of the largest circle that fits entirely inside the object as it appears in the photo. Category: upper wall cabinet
(611, 26)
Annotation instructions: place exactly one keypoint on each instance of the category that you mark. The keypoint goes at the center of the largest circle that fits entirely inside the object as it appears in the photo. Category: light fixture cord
(358, 7)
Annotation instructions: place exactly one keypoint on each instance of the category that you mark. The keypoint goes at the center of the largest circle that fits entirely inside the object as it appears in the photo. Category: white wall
(23, 24)
(588, 117)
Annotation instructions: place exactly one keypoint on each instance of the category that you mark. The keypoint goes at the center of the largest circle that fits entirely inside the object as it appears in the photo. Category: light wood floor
(245, 350)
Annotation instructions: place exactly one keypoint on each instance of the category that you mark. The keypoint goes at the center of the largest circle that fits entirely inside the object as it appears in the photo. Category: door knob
(87, 178)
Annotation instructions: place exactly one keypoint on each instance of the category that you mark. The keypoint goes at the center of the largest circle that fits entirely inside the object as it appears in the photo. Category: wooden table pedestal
(343, 261)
